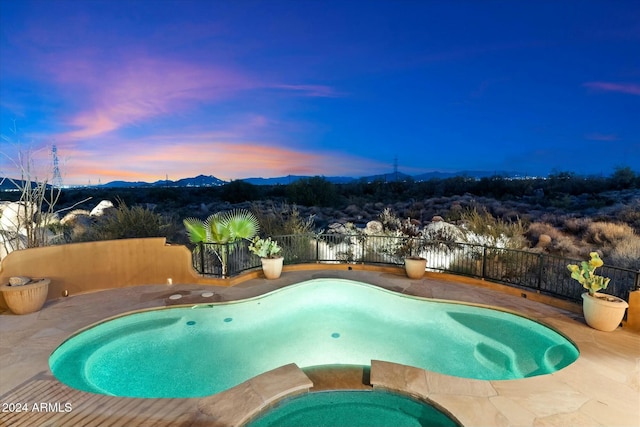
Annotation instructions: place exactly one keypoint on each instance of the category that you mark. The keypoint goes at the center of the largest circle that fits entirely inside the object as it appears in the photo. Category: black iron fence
(546, 274)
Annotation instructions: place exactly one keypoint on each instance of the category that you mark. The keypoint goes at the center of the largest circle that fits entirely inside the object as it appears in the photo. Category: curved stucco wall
(92, 266)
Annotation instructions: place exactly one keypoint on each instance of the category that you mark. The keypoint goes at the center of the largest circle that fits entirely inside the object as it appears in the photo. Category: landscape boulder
(11, 241)
(373, 228)
(443, 231)
(543, 241)
(102, 208)
(12, 215)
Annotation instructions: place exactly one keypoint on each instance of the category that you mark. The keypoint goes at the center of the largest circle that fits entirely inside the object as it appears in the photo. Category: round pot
(272, 267)
(603, 312)
(415, 267)
(26, 298)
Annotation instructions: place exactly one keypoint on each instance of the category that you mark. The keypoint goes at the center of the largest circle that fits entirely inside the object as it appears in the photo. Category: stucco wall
(92, 266)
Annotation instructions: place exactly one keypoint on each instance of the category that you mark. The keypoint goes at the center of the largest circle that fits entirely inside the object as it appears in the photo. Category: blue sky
(142, 89)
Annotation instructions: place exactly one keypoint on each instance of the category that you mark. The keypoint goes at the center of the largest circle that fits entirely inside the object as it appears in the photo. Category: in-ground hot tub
(205, 349)
(352, 409)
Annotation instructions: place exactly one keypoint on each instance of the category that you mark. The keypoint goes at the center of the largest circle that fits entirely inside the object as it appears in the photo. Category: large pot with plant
(415, 265)
(25, 295)
(269, 253)
(601, 311)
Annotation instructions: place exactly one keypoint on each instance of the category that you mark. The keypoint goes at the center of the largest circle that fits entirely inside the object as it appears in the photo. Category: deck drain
(175, 296)
(207, 294)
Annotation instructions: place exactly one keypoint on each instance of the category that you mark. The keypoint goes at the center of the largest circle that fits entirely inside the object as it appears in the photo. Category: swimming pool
(352, 409)
(204, 349)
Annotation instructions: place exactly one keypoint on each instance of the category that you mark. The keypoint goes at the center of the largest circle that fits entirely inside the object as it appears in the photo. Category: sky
(143, 90)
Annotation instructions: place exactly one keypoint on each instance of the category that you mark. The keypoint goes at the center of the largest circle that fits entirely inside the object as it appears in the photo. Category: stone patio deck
(602, 388)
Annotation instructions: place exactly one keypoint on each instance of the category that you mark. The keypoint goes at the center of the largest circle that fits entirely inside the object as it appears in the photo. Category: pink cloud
(629, 88)
(142, 89)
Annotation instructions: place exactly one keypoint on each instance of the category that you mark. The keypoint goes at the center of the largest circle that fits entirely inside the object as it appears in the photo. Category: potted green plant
(601, 311)
(269, 253)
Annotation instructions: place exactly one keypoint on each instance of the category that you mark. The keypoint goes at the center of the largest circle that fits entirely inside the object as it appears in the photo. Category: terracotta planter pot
(26, 298)
(603, 312)
(272, 267)
(415, 267)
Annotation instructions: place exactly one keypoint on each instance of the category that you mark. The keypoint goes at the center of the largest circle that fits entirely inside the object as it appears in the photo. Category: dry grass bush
(130, 223)
(630, 214)
(568, 246)
(485, 224)
(607, 233)
(282, 219)
(626, 253)
(577, 226)
(536, 229)
(561, 243)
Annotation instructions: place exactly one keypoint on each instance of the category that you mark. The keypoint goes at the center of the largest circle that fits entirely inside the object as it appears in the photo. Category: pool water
(352, 409)
(205, 349)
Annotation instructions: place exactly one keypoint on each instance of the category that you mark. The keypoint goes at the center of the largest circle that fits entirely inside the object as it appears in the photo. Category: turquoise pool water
(352, 409)
(202, 350)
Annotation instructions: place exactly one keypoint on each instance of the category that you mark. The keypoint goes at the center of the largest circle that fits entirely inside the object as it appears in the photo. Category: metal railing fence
(546, 274)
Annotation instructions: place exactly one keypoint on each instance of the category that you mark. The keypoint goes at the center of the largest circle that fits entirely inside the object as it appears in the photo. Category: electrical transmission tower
(57, 178)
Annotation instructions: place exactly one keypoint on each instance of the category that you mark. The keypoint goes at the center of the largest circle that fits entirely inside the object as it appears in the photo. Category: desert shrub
(607, 233)
(577, 226)
(61, 232)
(315, 191)
(282, 219)
(626, 253)
(622, 178)
(537, 229)
(484, 228)
(238, 191)
(561, 243)
(129, 223)
(567, 246)
(630, 214)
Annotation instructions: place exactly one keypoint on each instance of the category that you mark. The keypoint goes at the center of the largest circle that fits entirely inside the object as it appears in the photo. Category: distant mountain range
(212, 181)
(197, 181)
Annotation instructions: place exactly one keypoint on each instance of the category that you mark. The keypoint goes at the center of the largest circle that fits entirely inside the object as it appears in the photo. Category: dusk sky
(142, 89)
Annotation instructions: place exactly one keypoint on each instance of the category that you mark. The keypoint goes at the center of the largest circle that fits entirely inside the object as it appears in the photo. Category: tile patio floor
(602, 388)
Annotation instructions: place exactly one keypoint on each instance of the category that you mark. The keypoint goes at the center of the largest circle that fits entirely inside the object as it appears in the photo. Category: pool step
(331, 377)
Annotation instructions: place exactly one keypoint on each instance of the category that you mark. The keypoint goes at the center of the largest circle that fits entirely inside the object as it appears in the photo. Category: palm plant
(222, 230)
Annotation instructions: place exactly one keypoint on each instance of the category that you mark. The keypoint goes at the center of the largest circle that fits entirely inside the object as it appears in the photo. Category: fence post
(540, 269)
(484, 260)
(317, 249)
(201, 246)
